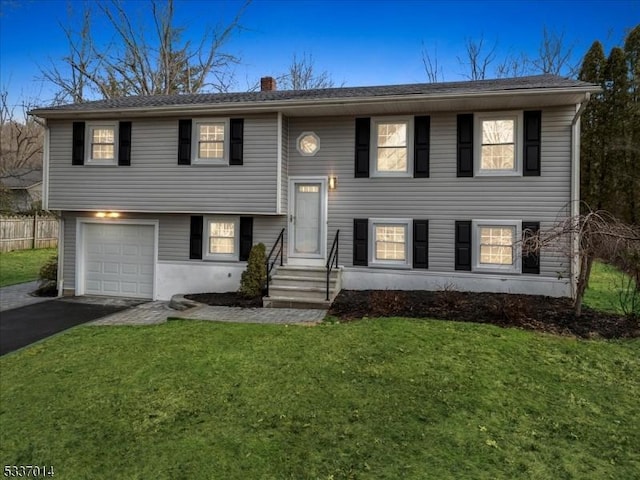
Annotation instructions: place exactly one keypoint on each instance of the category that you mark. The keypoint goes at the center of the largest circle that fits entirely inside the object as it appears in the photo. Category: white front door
(307, 220)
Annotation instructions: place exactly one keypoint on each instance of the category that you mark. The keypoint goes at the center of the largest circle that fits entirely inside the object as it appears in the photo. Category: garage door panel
(119, 259)
(130, 268)
(111, 267)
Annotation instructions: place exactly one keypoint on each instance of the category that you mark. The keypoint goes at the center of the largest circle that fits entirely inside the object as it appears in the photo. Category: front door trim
(298, 259)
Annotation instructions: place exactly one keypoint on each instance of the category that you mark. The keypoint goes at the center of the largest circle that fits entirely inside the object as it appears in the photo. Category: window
(222, 238)
(209, 142)
(308, 144)
(495, 245)
(390, 146)
(498, 143)
(101, 144)
(390, 242)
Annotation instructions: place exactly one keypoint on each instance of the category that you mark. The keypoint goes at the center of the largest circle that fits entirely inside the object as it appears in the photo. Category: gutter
(575, 187)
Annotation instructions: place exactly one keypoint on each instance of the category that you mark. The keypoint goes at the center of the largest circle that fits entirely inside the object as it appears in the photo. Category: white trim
(518, 140)
(45, 166)
(292, 257)
(89, 127)
(374, 145)
(164, 211)
(60, 272)
(195, 141)
(408, 245)
(308, 134)
(80, 254)
(356, 278)
(279, 136)
(516, 266)
(221, 257)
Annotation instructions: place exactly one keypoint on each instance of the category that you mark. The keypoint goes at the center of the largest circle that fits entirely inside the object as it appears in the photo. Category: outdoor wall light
(333, 183)
(107, 214)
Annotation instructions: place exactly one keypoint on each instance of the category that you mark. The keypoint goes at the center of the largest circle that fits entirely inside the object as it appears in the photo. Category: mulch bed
(228, 299)
(531, 312)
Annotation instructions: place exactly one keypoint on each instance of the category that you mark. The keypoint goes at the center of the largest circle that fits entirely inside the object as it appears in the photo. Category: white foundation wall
(382, 279)
(190, 277)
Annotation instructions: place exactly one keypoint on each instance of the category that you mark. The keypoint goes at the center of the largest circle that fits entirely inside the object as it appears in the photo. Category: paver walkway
(158, 312)
(15, 296)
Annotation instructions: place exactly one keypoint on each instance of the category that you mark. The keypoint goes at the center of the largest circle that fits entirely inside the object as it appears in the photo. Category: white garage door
(119, 260)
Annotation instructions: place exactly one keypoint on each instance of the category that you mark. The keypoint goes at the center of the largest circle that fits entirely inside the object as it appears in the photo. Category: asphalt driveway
(28, 324)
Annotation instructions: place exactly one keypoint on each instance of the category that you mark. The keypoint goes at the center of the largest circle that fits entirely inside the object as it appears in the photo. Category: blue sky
(358, 42)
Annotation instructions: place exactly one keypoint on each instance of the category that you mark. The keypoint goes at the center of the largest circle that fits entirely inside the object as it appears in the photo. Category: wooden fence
(22, 233)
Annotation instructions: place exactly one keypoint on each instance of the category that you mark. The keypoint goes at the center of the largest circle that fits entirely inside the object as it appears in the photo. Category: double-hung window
(390, 242)
(495, 244)
(390, 140)
(499, 143)
(223, 238)
(101, 144)
(210, 141)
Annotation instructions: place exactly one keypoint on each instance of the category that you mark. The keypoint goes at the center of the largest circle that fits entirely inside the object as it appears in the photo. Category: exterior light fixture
(333, 183)
(107, 214)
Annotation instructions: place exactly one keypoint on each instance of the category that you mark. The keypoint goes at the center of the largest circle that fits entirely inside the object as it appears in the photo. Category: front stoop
(302, 287)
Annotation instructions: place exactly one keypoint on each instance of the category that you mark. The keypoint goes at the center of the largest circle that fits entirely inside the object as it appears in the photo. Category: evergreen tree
(592, 146)
(614, 177)
(632, 54)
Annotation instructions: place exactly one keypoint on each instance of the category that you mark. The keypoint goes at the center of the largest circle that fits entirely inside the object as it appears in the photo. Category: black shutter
(532, 137)
(463, 245)
(124, 141)
(363, 142)
(246, 237)
(422, 142)
(195, 246)
(361, 241)
(465, 145)
(530, 260)
(184, 142)
(77, 156)
(421, 244)
(236, 139)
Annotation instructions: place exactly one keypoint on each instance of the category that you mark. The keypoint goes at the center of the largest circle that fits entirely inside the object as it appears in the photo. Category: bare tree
(597, 235)
(21, 140)
(431, 66)
(478, 58)
(514, 66)
(134, 64)
(554, 55)
(303, 75)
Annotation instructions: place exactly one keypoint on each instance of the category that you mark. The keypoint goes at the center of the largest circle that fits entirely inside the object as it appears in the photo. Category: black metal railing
(333, 258)
(270, 263)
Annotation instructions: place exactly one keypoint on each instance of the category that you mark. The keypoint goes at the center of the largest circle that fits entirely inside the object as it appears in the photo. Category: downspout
(575, 188)
(279, 136)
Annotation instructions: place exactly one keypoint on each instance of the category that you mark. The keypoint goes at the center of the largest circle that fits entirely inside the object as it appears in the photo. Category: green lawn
(22, 266)
(605, 287)
(374, 399)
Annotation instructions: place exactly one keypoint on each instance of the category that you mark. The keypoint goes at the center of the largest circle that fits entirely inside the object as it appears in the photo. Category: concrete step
(298, 271)
(294, 280)
(298, 302)
(299, 292)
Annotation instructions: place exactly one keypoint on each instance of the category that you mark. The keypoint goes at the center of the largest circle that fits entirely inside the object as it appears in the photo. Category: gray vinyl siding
(443, 198)
(173, 237)
(284, 182)
(155, 182)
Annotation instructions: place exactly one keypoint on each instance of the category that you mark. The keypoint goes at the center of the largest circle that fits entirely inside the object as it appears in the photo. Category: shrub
(255, 276)
(387, 303)
(48, 277)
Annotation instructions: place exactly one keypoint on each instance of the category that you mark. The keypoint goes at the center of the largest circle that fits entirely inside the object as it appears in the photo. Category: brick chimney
(267, 84)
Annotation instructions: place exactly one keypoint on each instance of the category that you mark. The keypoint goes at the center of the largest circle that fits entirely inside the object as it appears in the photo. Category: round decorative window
(308, 144)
